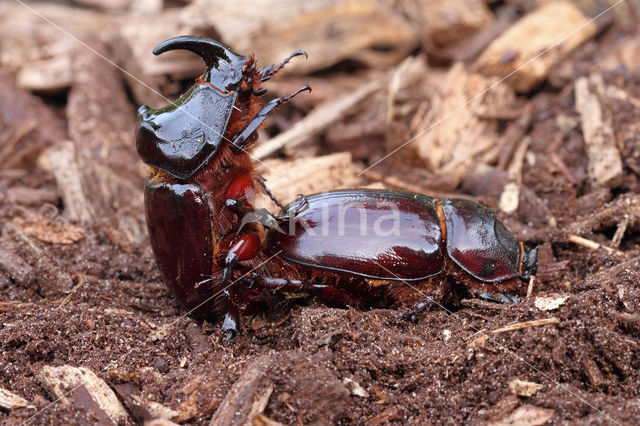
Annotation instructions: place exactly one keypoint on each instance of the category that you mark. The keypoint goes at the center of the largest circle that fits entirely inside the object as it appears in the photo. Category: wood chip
(479, 341)
(452, 139)
(550, 303)
(49, 230)
(536, 43)
(28, 124)
(526, 324)
(524, 388)
(329, 30)
(51, 75)
(355, 388)
(81, 387)
(26, 38)
(160, 422)
(248, 396)
(16, 267)
(62, 159)
(309, 175)
(528, 415)
(262, 420)
(605, 163)
(140, 407)
(9, 400)
(445, 22)
(592, 371)
(27, 196)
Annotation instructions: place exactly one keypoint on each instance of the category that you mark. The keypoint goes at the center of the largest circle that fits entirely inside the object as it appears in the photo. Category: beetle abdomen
(387, 235)
(180, 235)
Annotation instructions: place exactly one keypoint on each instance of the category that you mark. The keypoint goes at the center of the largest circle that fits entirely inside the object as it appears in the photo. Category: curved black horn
(217, 57)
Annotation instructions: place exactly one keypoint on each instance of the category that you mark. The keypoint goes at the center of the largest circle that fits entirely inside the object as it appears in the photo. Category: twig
(482, 304)
(532, 280)
(564, 169)
(592, 244)
(526, 324)
(9, 306)
(622, 228)
(81, 282)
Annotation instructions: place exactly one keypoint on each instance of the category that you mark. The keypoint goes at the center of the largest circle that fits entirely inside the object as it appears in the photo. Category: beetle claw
(411, 315)
(499, 297)
(268, 72)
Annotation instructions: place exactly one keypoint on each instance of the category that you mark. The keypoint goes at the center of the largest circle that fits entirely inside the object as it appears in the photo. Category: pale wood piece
(61, 159)
(524, 388)
(26, 37)
(592, 244)
(98, 172)
(329, 30)
(624, 52)
(111, 5)
(9, 400)
(529, 415)
(441, 23)
(66, 381)
(535, 44)
(137, 37)
(453, 138)
(308, 175)
(262, 420)
(526, 324)
(46, 75)
(160, 422)
(605, 164)
(247, 397)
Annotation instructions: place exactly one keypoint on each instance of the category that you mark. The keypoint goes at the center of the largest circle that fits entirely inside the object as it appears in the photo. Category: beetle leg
(231, 316)
(498, 297)
(240, 141)
(269, 71)
(237, 249)
(327, 293)
(411, 315)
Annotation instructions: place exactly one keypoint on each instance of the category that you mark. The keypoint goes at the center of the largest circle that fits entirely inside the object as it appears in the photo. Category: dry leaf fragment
(49, 230)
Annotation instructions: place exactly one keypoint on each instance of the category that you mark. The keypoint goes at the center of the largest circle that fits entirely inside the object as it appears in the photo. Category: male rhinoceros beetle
(221, 257)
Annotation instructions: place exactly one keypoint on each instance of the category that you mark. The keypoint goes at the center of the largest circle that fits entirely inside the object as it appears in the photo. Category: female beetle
(352, 247)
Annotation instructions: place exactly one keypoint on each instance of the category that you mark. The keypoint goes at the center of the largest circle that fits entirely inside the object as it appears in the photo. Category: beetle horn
(224, 66)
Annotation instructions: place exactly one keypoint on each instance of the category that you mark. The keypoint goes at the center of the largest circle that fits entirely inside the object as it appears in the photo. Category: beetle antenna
(267, 191)
(269, 71)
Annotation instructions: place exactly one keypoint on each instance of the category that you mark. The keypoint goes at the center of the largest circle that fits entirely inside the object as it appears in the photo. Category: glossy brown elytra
(221, 257)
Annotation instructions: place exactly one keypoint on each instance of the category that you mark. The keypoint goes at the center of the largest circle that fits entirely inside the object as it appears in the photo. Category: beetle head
(181, 137)
(529, 262)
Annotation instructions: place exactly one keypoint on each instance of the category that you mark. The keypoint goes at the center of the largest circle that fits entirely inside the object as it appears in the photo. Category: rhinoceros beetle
(222, 257)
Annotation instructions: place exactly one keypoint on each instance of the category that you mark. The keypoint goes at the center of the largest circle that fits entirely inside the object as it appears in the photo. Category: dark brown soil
(98, 304)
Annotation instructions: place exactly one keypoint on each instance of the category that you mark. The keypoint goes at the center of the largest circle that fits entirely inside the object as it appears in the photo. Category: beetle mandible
(221, 257)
